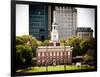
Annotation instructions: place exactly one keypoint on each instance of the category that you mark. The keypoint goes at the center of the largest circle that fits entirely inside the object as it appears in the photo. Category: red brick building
(54, 55)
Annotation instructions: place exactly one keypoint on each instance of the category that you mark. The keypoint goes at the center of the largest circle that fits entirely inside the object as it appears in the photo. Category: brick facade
(54, 55)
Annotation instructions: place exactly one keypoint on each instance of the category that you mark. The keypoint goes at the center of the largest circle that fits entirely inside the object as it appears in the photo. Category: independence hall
(54, 54)
(57, 55)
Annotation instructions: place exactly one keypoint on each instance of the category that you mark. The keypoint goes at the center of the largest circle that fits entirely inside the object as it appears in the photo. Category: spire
(54, 18)
(54, 13)
(54, 32)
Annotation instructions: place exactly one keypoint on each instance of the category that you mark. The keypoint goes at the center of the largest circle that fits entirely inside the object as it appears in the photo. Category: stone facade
(54, 55)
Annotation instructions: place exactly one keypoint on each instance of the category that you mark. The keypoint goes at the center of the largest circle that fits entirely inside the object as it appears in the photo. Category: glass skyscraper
(38, 21)
(41, 19)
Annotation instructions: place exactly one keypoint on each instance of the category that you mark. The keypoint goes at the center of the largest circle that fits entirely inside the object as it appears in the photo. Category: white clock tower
(54, 32)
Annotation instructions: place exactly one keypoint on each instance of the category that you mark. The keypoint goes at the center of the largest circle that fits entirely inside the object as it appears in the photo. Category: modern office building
(39, 21)
(54, 55)
(66, 19)
(41, 16)
(84, 32)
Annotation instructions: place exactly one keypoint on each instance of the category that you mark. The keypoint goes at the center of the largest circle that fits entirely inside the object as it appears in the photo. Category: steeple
(54, 25)
(54, 32)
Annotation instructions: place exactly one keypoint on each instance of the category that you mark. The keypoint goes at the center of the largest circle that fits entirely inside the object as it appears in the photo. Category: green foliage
(75, 43)
(26, 38)
(19, 40)
(25, 50)
(23, 55)
(63, 42)
(88, 58)
(39, 43)
(23, 40)
(88, 44)
(55, 68)
(81, 46)
(45, 43)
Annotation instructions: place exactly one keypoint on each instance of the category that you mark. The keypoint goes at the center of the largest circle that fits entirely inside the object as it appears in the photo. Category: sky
(86, 18)
(22, 19)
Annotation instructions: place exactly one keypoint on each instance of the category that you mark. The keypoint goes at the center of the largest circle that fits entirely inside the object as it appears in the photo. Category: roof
(84, 29)
(53, 48)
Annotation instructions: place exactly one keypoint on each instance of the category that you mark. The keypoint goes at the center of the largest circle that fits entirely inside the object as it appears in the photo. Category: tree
(62, 42)
(22, 40)
(25, 50)
(39, 43)
(81, 46)
(75, 43)
(23, 56)
(27, 40)
(88, 44)
(19, 40)
(45, 43)
(88, 59)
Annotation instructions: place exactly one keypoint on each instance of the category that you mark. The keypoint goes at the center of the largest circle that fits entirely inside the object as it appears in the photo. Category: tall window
(47, 54)
(57, 53)
(42, 53)
(43, 60)
(65, 53)
(38, 60)
(39, 54)
(54, 53)
(68, 53)
(50, 53)
(61, 53)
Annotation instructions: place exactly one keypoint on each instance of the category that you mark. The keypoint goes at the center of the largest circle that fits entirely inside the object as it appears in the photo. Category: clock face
(54, 37)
